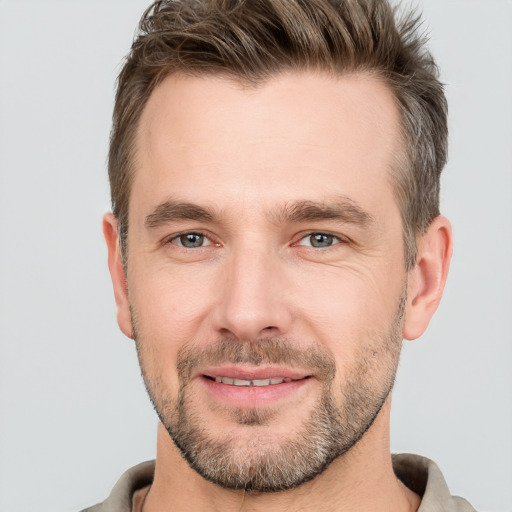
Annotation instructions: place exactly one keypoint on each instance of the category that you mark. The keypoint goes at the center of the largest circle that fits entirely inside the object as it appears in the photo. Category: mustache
(266, 351)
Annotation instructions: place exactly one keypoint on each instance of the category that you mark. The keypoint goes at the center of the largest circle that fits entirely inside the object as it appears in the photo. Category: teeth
(255, 382)
(266, 382)
(240, 382)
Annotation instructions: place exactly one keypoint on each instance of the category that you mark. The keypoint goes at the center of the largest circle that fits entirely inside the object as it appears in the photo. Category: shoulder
(424, 477)
(120, 499)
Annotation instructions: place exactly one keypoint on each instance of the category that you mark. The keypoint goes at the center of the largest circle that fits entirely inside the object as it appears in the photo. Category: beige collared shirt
(421, 475)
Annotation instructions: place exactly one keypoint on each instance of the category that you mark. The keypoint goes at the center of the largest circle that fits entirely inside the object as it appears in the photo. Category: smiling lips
(254, 382)
(250, 387)
(247, 387)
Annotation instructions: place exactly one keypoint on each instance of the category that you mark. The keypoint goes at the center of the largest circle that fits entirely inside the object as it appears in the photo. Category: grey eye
(321, 240)
(191, 240)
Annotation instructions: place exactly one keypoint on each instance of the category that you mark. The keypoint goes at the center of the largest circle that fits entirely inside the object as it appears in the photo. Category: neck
(362, 480)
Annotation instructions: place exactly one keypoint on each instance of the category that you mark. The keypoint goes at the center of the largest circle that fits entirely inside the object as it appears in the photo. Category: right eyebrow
(170, 211)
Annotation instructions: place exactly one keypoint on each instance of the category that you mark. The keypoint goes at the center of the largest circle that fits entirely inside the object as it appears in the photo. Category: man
(275, 235)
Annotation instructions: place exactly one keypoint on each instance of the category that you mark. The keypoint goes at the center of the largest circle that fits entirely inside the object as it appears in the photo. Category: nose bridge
(252, 300)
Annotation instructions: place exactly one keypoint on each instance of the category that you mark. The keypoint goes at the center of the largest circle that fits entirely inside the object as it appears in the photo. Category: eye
(191, 240)
(319, 240)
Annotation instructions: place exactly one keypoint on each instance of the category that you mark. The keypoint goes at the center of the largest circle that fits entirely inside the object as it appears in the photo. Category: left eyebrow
(342, 209)
(170, 211)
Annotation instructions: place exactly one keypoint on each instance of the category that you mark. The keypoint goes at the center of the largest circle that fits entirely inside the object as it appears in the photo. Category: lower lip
(253, 396)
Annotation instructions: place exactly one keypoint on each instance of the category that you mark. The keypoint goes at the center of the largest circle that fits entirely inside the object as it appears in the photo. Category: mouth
(272, 381)
(253, 387)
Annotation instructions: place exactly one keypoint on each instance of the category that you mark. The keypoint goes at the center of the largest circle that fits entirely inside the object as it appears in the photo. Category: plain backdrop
(73, 411)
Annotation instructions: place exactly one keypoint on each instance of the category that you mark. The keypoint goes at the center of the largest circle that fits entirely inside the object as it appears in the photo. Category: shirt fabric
(420, 474)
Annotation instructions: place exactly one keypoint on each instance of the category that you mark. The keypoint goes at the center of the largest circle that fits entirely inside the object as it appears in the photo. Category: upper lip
(253, 373)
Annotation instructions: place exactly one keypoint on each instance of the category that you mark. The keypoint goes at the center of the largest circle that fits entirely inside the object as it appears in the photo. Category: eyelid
(340, 239)
(172, 238)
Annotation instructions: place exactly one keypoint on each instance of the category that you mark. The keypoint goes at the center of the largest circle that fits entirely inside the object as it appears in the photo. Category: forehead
(297, 136)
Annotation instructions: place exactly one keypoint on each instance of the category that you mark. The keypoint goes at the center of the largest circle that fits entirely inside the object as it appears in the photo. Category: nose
(254, 295)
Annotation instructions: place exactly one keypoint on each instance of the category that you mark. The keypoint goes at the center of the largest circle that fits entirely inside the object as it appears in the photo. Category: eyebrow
(170, 211)
(342, 209)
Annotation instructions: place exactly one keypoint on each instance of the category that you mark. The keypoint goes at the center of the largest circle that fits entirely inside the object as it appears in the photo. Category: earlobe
(428, 278)
(117, 274)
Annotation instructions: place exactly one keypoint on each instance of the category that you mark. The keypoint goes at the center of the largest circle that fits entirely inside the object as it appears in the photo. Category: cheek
(349, 311)
(170, 303)
(345, 297)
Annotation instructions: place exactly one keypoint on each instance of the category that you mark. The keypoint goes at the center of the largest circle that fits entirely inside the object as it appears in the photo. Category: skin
(247, 154)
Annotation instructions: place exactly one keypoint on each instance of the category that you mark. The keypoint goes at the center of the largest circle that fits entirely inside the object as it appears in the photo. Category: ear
(428, 277)
(117, 274)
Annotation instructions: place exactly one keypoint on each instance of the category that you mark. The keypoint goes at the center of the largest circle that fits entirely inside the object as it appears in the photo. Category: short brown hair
(253, 40)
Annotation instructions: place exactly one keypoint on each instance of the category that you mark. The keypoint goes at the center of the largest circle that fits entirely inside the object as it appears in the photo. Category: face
(266, 278)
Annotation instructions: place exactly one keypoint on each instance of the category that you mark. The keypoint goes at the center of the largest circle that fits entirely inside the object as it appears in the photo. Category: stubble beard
(259, 464)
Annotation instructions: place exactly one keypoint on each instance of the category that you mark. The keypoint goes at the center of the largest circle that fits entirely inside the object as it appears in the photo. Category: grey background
(73, 411)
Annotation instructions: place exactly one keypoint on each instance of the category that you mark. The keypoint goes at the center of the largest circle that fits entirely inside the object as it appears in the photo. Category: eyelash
(174, 238)
(337, 239)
